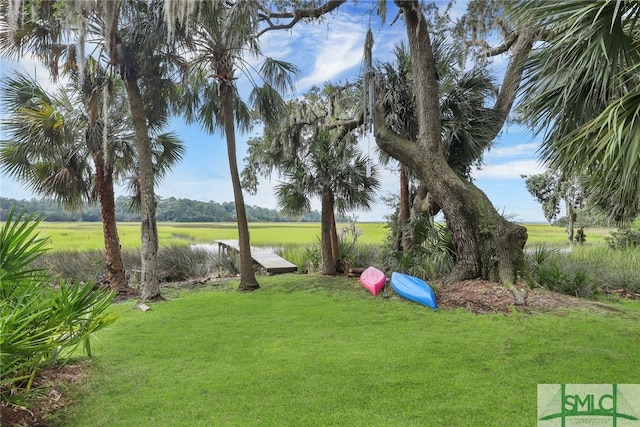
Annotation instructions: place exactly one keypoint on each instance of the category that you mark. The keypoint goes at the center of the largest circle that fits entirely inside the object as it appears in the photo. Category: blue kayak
(413, 289)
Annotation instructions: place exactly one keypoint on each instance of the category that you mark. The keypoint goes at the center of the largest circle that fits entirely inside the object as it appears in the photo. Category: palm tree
(590, 60)
(56, 150)
(223, 35)
(336, 172)
(49, 147)
(400, 103)
(132, 38)
(465, 119)
(296, 145)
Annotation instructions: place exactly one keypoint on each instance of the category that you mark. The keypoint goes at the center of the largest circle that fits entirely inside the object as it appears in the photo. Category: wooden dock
(267, 260)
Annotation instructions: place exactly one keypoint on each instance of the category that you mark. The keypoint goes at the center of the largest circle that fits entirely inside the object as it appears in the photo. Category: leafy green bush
(553, 277)
(624, 238)
(41, 323)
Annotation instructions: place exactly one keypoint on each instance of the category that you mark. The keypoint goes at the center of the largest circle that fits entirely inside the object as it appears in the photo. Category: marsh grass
(554, 236)
(586, 271)
(313, 350)
(88, 235)
(176, 263)
(307, 258)
(610, 269)
(84, 236)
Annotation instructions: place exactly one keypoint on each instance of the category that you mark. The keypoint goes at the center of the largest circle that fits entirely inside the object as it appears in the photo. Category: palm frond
(279, 74)
(581, 93)
(292, 199)
(168, 150)
(608, 148)
(268, 103)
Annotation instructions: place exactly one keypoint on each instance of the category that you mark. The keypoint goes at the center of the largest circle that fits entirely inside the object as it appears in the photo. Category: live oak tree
(466, 119)
(487, 245)
(315, 157)
(550, 188)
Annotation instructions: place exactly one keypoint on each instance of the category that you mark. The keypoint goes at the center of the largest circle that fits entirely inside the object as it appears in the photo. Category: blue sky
(331, 50)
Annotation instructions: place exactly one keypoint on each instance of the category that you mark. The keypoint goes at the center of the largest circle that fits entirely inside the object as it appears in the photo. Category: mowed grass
(84, 236)
(318, 351)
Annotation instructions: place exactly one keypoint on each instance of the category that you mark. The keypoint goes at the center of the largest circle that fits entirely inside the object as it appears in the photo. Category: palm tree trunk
(149, 277)
(335, 244)
(115, 268)
(328, 263)
(248, 281)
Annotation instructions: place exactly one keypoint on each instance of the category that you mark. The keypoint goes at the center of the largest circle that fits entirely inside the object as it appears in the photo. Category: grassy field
(545, 234)
(316, 351)
(88, 235)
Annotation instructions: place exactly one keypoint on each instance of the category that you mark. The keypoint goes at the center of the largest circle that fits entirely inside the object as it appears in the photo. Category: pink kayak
(373, 280)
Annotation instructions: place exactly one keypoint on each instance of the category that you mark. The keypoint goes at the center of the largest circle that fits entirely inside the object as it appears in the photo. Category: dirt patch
(481, 296)
(52, 385)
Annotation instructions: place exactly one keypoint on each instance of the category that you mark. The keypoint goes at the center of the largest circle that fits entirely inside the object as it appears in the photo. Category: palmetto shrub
(307, 259)
(432, 254)
(42, 321)
(560, 273)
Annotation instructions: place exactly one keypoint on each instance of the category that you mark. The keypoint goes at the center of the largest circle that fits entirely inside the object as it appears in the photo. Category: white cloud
(509, 170)
(337, 53)
(513, 150)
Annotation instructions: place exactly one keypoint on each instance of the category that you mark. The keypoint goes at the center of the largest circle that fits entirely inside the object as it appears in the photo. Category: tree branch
(510, 40)
(522, 45)
(296, 15)
(390, 142)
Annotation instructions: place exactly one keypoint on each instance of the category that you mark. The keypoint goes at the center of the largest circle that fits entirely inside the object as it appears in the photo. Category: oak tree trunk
(248, 281)
(149, 277)
(115, 267)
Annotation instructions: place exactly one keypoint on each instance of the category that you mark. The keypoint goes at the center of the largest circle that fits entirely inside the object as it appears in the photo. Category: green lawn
(318, 351)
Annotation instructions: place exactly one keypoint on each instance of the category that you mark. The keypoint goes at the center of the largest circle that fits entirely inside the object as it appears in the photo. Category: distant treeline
(170, 209)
